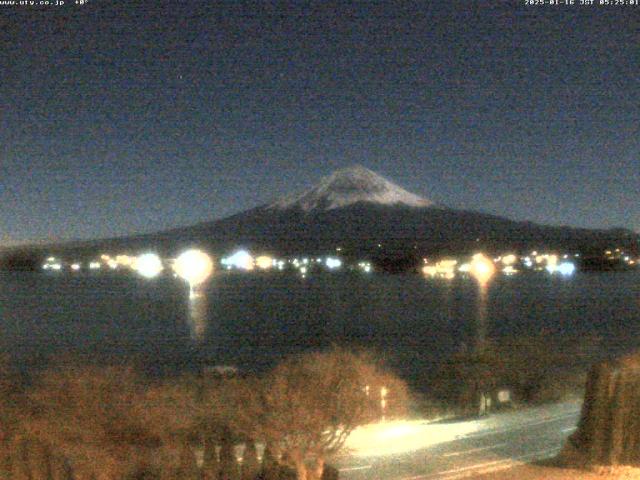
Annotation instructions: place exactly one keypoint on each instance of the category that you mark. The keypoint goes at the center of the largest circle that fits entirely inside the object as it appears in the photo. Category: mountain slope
(365, 214)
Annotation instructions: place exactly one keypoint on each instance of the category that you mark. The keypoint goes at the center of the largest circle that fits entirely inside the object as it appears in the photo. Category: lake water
(253, 320)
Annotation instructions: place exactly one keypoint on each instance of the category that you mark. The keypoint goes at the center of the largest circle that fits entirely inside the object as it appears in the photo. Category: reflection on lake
(252, 320)
(198, 316)
(481, 317)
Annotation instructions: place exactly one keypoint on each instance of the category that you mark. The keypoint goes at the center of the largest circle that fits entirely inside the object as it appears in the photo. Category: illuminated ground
(419, 450)
(535, 472)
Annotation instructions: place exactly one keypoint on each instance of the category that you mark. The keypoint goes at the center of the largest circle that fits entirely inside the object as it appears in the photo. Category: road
(421, 450)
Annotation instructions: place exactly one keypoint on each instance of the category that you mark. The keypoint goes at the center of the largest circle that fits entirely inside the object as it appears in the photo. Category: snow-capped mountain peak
(348, 186)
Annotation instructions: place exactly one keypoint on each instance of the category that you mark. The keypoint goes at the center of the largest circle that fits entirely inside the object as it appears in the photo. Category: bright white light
(94, 266)
(75, 267)
(482, 268)
(509, 270)
(430, 270)
(241, 260)
(446, 268)
(509, 259)
(566, 268)
(264, 262)
(365, 266)
(125, 260)
(398, 437)
(194, 266)
(148, 265)
(333, 263)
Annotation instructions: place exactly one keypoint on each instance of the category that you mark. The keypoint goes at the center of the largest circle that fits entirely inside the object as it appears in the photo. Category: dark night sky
(119, 117)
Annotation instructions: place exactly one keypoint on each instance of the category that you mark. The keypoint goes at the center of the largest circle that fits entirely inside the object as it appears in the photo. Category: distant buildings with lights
(150, 265)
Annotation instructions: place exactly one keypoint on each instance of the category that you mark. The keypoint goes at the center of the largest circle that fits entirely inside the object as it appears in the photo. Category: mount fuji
(364, 215)
(350, 186)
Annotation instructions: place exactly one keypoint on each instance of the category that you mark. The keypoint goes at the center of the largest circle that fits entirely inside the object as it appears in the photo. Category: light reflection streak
(198, 315)
(481, 331)
(483, 271)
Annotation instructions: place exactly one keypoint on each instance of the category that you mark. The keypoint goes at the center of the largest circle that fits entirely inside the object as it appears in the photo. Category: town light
(509, 259)
(240, 259)
(566, 268)
(333, 263)
(509, 270)
(148, 265)
(125, 260)
(447, 268)
(194, 266)
(365, 266)
(430, 270)
(264, 262)
(482, 268)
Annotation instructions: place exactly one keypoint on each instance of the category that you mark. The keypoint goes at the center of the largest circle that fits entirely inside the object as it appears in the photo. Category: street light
(195, 267)
(482, 268)
(148, 265)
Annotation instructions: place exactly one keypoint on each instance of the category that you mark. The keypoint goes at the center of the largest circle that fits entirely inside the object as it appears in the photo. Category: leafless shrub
(85, 422)
(311, 403)
(89, 416)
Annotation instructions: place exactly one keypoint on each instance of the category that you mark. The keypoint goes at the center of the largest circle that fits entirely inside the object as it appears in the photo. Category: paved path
(421, 450)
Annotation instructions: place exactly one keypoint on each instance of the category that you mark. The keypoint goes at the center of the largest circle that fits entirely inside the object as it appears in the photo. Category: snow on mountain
(348, 186)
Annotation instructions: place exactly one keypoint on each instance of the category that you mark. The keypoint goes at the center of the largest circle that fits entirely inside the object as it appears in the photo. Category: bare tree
(172, 410)
(228, 462)
(312, 403)
(102, 423)
(88, 416)
(231, 410)
(250, 465)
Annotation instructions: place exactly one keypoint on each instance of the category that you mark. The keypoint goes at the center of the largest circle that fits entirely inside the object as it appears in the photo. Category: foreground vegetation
(103, 423)
(77, 422)
(535, 369)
